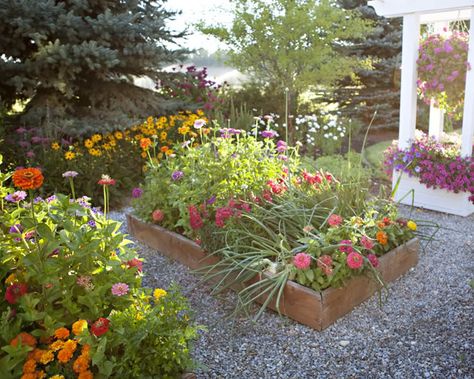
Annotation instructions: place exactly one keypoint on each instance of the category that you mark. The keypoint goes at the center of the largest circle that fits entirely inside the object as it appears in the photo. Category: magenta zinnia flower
(137, 192)
(374, 261)
(354, 260)
(302, 261)
(346, 246)
(119, 289)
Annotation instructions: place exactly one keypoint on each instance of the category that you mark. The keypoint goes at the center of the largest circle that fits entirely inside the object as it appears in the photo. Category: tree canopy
(291, 43)
(74, 61)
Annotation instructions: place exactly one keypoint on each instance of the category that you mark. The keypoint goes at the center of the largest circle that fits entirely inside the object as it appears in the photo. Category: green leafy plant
(62, 263)
(228, 164)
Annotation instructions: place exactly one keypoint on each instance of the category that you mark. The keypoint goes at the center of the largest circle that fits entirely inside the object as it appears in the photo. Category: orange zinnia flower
(26, 339)
(65, 355)
(382, 237)
(28, 178)
(145, 143)
(61, 333)
(164, 149)
(29, 367)
(81, 364)
(85, 375)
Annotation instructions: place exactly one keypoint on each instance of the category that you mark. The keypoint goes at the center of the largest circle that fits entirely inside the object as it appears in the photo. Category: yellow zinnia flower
(411, 225)
(79, 326)
(69, 155)
(55, 146)
(118, 135)
(88, 143)
(47, 357)
(159, 293)
(96, 137)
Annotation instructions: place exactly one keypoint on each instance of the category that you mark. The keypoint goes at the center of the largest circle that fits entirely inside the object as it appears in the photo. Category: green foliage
(149, 341)
(60, 243)
(76, 62)
(218, 170)
(347, 168)
(290, 44)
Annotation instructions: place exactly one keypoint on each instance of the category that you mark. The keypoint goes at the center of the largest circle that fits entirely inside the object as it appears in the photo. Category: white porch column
(436, 123)
(411, 37)
(468, 117)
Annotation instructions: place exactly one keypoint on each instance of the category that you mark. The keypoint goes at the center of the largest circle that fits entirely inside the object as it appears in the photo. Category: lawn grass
(374, 156)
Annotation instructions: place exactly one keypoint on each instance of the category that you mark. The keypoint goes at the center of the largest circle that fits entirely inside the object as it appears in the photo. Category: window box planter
(431, 198)
(315, 309)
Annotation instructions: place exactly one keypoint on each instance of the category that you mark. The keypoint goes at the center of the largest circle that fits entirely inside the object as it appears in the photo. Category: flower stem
(71, 183)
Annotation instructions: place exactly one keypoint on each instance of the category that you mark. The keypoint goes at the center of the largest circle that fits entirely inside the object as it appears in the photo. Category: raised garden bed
(315, 309)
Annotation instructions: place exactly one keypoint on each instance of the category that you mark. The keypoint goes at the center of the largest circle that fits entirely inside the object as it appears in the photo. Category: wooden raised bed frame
(315, 309)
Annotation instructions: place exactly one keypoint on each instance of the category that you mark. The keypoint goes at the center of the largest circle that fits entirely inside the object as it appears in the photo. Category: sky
(209, 11)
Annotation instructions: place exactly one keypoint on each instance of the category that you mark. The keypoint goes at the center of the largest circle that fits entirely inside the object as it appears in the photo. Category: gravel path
(424, 330)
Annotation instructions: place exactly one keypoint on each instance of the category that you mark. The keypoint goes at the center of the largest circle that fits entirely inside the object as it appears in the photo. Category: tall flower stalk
(105, 182)
(70, 175)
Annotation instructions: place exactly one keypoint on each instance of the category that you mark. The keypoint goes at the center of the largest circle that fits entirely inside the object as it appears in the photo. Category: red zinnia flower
(106, 180)
(101, 326)
(15, 291)
(157, 215)
(195, 219)
(135, 262)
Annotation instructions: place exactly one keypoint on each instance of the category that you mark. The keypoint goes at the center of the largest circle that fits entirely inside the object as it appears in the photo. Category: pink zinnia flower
(334, 220)
(119, 289)
(324, 262)
(302, 261)
(354, 260)
(346, 246)
(367, 243)
(374, 261)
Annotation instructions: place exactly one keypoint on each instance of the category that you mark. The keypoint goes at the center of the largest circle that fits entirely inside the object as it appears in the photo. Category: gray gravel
(424, 330)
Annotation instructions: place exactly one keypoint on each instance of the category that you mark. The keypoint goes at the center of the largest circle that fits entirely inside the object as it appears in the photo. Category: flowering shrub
(199, 181)
(442, 66)
(193, 86)
(435, 164)
(63, 261)
(320, 134)
(118, 153)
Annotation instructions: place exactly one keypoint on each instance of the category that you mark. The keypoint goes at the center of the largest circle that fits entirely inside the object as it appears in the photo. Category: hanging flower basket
(442, 66)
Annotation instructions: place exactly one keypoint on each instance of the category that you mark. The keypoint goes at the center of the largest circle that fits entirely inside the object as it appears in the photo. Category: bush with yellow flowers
(118, 153)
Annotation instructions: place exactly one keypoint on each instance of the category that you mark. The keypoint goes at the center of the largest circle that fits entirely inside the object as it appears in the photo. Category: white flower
(325, 127)
(199, 123)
